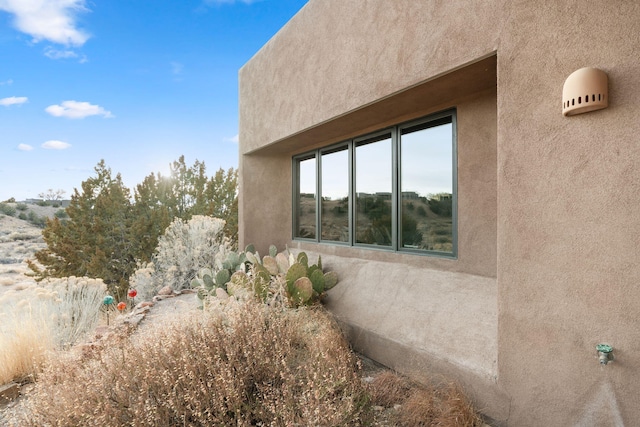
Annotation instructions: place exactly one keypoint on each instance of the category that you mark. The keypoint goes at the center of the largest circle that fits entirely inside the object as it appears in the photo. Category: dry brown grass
(256, 366)
(24, 344)
(444, 405)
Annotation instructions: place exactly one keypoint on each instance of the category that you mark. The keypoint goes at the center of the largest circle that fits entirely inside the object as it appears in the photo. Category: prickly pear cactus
(253, 258)
(239, 281)
(303, 259)
(302, 291)
(330, 280)
(283, 263)
(270, 264)
(222, 277)
(295, 272)
(317, 280)
(273, 251)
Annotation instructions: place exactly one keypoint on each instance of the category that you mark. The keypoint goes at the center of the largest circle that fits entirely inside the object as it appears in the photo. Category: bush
(256, 366)
(22, 216)
(22, 207)
(35, 219)
(7, 209)
(54, 316)
(24, 342)
(185, 248)
(440, 405)
(61, 213)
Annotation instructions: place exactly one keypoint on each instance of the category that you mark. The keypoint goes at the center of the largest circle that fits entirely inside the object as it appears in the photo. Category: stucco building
(519, 249)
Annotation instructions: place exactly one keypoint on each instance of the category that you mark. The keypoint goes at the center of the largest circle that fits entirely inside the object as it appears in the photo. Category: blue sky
(134, 82)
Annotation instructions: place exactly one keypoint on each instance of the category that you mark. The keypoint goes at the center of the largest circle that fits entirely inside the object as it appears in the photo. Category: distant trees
(52, 196)
(108, 231)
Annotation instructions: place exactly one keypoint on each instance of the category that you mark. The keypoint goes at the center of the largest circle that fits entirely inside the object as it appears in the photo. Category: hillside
(19, 240)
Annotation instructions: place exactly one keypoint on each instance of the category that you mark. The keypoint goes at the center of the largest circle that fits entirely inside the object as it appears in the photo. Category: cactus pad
(270, 264)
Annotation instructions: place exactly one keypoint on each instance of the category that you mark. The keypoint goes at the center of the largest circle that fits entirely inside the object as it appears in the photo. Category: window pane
(373, 192)
(427, 188)
(306, 199)
(335, 196)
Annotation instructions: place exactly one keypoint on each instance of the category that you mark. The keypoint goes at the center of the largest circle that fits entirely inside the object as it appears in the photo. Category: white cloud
(6, 82)
(235, 139)
(55, 145)
(24, 147)
(77, 110)
(53, 20)
(52, 53)
(13, 100)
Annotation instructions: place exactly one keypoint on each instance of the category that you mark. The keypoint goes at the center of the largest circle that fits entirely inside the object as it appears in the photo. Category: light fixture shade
(585, 90)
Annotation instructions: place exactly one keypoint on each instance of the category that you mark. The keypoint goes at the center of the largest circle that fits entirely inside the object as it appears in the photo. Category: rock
(162, 297)
(9, 392)
(189, 291)
(134, 320)
(167, 290)
(144, 304)
(221, 294)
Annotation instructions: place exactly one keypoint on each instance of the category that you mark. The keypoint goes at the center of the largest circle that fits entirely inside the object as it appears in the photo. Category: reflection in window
(335, 196)
(374, 187)
(306, 199)
(394, 189)
(427, 186)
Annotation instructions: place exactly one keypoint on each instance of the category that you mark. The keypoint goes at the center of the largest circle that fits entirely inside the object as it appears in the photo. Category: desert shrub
(10, 200)
(7, 209)
(185, 248)
(24, 341)
(61, 213)
(442, 405)
(144, 282)
(73, 307)
(22, 216)
(53, 316)
(22, 207)
(35, 219)
(258, 365)
(42, 203)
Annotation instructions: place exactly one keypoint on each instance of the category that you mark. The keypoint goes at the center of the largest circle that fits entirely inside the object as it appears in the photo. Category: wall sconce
(585, 90)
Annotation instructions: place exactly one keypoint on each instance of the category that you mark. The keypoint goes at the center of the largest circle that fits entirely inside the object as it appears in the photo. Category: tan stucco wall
(551, 252)
(569, 228)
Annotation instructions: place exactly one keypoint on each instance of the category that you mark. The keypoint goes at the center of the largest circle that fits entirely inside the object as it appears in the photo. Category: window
(394, 189)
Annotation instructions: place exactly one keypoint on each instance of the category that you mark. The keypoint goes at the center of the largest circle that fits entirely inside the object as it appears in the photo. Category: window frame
(351, 144)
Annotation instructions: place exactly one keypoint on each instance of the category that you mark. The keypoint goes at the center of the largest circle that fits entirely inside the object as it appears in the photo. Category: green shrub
(22, 216)
(10, 200)
(42, 203)
(7, 209)
(22, 206)
(35, 219)
(61, 213)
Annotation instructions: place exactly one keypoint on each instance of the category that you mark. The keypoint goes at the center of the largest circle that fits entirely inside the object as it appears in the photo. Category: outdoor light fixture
(584, 90)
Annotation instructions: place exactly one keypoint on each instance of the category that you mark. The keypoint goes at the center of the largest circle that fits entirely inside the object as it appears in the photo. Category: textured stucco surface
(549, 249)
(569, 230)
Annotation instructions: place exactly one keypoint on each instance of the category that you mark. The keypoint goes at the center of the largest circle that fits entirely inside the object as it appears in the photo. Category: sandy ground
(19, 240)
